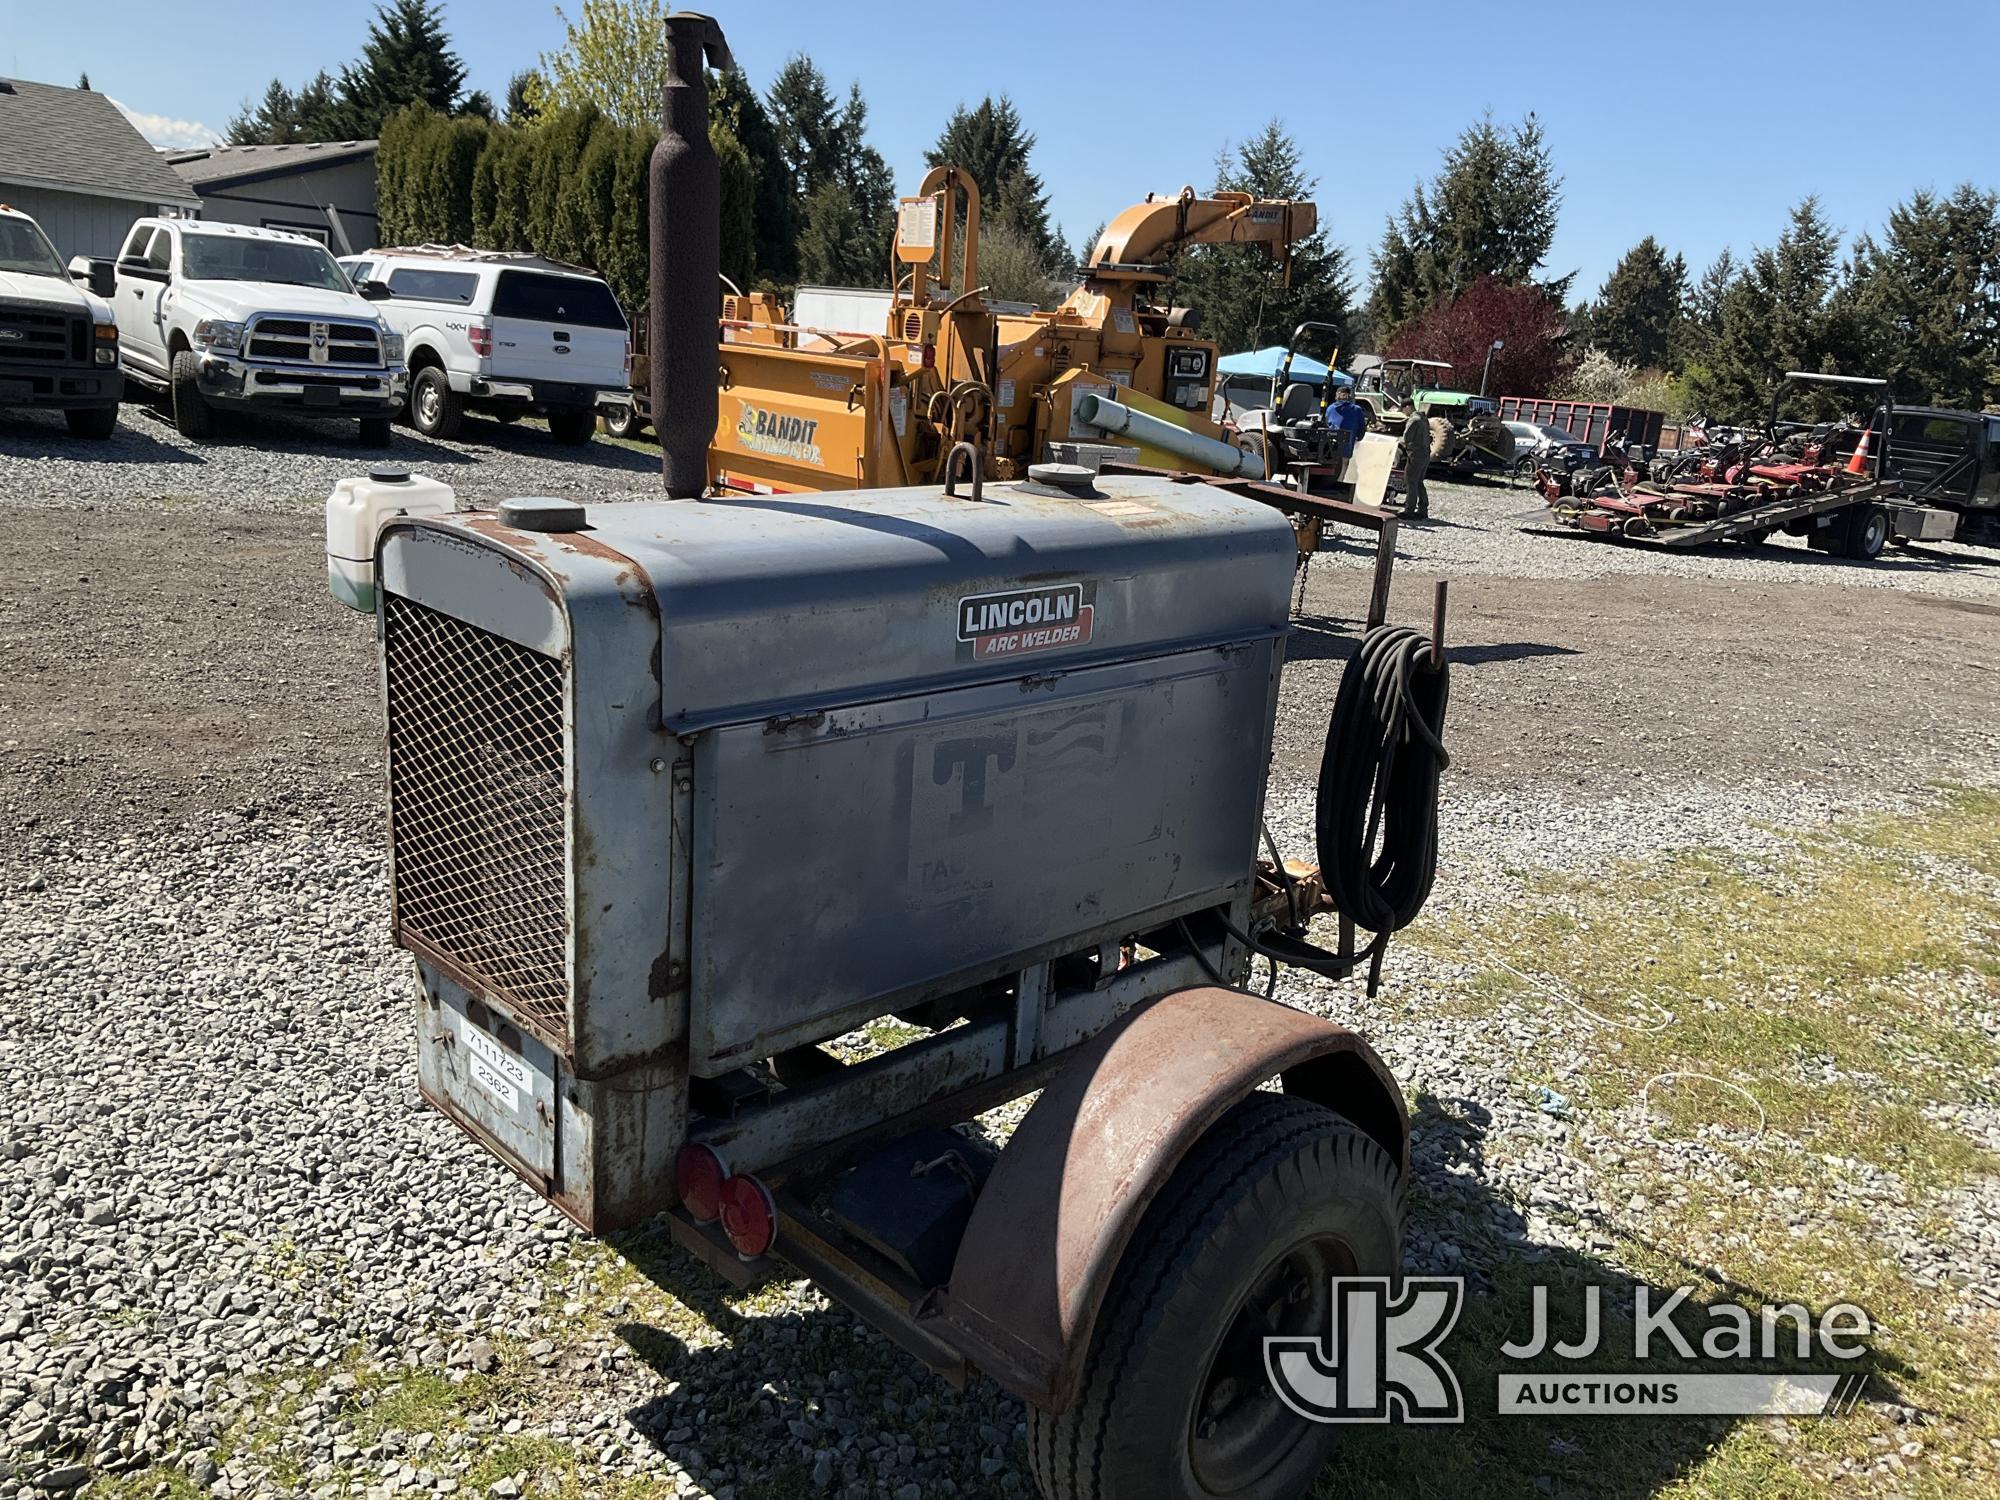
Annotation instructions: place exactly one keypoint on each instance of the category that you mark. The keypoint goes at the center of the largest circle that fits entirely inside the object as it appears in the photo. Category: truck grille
(314, 342)
(33, 335)
(476, 802)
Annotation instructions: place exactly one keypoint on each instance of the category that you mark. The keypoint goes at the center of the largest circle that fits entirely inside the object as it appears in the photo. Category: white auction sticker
(494, 1068)
(488, 1078)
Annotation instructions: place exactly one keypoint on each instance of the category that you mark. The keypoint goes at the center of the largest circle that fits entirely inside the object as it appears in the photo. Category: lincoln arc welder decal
(1021, 621)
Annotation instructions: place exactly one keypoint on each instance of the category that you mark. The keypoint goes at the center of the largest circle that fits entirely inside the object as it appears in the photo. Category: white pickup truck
(226, 315)
(58, 344)
(502, 333)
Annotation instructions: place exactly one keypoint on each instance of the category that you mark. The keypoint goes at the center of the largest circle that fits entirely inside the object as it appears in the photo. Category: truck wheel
(435, 408)
(1867, 532)
(572, 428)
(94, 422)
(193, 417)
(624, 422)
(1278, 1198)
(375, 432)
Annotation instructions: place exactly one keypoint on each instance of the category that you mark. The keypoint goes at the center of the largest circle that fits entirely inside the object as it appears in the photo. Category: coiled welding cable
(1375, 817)
(1376, 813)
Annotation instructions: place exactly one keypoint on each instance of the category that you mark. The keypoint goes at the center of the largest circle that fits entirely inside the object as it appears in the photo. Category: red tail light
(930, 356)
(749, 1216)
(481, 336)
(699, 1179)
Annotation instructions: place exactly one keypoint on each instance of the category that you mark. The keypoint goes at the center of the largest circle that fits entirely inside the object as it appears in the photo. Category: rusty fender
(1069, 1190)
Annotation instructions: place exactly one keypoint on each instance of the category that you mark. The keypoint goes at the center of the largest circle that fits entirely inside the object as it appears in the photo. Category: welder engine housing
(702, 783)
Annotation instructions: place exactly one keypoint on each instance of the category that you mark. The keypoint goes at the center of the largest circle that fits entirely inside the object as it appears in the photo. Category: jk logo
(1379, 1352)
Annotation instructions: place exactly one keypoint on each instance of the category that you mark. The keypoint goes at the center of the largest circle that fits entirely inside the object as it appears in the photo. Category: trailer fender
(1047, 1233)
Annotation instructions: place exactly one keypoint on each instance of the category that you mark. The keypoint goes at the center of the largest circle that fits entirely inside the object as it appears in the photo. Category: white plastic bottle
(355, 514)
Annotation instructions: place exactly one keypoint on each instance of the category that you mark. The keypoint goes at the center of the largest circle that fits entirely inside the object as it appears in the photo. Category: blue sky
(1698, 123)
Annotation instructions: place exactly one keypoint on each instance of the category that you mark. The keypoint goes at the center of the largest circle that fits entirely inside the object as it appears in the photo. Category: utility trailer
(683, 792)
(1834, 485)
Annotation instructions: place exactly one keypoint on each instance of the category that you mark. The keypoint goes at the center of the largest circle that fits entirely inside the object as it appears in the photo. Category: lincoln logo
(1024, 620)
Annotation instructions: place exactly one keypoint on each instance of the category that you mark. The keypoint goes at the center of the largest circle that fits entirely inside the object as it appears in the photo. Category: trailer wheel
(1867, 532)
(1278, 1198)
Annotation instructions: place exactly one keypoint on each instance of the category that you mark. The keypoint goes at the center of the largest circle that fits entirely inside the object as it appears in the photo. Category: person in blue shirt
(1348, 415)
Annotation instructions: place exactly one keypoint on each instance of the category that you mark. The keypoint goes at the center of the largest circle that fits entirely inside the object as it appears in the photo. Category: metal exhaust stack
(684, 227)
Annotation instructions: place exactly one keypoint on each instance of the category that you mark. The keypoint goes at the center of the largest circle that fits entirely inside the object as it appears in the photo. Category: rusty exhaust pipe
(684, 231)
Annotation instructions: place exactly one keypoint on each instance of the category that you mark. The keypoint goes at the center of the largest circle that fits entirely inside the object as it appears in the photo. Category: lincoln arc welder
(681, 792)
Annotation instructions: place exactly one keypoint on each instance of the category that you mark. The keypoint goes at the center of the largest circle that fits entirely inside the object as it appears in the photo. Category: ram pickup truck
(222, 315)
(58, 343)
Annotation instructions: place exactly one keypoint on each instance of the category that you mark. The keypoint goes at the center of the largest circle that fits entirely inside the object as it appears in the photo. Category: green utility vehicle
(1466, 430)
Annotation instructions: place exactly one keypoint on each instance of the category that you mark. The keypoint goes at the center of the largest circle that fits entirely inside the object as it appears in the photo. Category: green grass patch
(1843, 982)
(1837, 983)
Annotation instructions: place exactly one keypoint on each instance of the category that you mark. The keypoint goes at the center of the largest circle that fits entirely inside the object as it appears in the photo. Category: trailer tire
(1867, 532)
(1277, 1198)
(193, 417)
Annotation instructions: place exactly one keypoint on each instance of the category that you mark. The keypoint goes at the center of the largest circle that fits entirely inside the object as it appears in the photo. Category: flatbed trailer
(1849, 507)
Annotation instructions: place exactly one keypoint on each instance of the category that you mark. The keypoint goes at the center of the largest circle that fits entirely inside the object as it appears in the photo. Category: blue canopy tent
(1262, 364)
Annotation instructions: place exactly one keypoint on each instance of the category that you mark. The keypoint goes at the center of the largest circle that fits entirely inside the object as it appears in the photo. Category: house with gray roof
(325, 189)
(69, 158)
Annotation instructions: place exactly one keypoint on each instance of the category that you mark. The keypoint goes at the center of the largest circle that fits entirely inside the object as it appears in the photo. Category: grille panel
(42, 336)
(291, 340)
(476, 795)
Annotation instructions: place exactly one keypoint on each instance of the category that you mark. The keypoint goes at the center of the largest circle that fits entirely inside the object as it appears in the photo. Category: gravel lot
(223, 1215)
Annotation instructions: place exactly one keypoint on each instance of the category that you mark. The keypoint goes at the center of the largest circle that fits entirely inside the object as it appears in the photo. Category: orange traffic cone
(1858, 464)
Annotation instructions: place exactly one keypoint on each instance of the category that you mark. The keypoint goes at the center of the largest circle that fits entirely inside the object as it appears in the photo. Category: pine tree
(826, 154)
(407, 58)
(991, 144)
(1491, 211)
(774, 203)
(1700, 324)
(83, 82)
(1779, 314)
(1926, 300)
(1636, 309)
(281, 117)
(806, 122)
(1238, 289)
(526, 92)
(834, 242)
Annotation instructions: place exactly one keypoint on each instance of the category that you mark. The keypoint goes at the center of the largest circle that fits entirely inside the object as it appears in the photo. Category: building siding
(297, 201)
(78, 223)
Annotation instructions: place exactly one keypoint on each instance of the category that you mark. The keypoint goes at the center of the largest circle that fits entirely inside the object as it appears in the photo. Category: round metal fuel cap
(1071, 479)
(543, 513)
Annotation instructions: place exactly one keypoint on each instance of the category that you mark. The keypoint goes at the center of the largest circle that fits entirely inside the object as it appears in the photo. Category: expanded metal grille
(476, 757)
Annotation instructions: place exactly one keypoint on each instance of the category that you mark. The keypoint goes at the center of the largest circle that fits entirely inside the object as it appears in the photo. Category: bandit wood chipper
(827, 409)
(683, 791)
